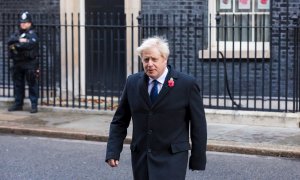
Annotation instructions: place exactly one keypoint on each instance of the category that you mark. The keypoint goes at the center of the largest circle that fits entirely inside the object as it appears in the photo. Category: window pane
(262, 22)
(224, 6)
(243, 5)
(237, 26)
(262, 5)
(225, 30)
(243, 31)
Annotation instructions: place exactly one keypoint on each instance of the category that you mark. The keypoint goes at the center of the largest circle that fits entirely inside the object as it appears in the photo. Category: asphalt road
(23, 157)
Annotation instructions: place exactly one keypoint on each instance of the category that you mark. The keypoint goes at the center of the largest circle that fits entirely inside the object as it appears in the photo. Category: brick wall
(174, 6)
(273, 75)
(283, 44)
(181, 14)
(33, 6)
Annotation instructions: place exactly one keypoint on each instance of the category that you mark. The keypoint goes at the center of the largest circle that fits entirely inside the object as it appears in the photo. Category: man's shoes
(34, 110)
(15, 108)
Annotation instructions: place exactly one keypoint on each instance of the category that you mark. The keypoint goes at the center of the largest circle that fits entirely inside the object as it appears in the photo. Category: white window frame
(241, 49)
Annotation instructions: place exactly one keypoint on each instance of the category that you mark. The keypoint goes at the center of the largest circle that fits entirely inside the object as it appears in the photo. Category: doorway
(105, 47)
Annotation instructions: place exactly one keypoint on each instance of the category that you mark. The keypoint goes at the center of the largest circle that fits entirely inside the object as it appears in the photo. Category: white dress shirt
(160, 80)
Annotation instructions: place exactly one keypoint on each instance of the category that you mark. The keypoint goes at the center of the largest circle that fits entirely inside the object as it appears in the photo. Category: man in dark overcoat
(167, 114)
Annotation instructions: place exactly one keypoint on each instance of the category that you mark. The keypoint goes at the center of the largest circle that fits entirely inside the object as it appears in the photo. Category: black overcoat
(160, 138)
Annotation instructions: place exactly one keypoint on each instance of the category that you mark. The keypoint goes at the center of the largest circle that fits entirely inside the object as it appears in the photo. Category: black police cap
(25, 17)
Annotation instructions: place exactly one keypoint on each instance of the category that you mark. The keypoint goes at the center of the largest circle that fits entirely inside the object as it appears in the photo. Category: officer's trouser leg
(19, 87)
(33, 88)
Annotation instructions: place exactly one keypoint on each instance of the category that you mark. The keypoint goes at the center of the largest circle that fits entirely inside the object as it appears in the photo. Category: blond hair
(155, 42)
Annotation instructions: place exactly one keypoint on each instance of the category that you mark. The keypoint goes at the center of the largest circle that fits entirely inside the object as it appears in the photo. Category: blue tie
(154, 91)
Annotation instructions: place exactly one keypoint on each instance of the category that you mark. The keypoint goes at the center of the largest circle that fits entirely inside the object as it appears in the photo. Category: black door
(105, 47)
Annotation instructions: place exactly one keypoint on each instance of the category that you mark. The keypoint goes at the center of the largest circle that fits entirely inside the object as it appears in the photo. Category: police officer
(23, 49)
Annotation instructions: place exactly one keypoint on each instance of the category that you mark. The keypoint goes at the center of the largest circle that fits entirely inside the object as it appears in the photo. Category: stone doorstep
(257, 118)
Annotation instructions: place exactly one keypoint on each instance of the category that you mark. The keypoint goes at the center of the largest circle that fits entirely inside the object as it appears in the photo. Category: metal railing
(249, 66)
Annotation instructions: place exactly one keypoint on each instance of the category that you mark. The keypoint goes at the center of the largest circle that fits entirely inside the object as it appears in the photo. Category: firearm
(13, 40)
(12, 44)
(13, 49)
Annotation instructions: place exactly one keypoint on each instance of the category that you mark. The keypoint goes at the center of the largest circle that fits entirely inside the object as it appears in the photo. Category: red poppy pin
(171, 82)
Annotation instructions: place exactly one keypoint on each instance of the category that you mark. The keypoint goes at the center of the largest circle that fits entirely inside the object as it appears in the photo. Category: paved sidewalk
(94, 125)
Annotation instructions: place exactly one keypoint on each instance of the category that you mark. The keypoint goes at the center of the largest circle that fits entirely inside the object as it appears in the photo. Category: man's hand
(113, 162)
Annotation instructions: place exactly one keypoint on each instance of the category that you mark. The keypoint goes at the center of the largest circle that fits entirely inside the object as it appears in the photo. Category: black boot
(34, 110)
(15, 108)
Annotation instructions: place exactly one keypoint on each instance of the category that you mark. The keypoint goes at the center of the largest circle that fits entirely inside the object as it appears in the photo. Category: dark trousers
(20, 74)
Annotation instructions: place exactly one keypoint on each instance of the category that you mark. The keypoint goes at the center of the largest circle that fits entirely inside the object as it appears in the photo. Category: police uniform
(25, 64)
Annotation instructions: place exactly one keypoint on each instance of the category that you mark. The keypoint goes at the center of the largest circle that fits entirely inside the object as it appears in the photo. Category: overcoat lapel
(143, 88)
(165, 88)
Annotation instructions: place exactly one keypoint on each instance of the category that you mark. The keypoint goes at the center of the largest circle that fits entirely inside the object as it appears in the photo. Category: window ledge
(236, 54)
